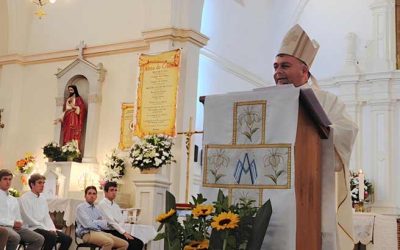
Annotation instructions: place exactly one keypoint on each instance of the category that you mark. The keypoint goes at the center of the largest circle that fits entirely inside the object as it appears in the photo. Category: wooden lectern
(313, 126)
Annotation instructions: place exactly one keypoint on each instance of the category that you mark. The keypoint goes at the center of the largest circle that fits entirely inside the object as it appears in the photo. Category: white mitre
(297, 43)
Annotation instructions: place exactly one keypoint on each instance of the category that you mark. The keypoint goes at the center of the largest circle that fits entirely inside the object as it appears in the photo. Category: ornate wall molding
(175, 34)
(375, 97)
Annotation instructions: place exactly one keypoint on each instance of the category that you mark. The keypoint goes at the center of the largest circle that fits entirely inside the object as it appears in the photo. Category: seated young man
(90, 222)
(35, 214)
(112, 213)
(10, 217)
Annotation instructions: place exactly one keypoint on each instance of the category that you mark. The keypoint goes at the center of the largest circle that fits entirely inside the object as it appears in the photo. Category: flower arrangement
(240, 226)
(153, 151)
(115, 166)
(14, 192)
(52, 151)
(26, 164)
(70, 150)
(354, 187)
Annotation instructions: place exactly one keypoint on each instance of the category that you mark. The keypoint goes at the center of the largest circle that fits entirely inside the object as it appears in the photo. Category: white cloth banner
(234, 125)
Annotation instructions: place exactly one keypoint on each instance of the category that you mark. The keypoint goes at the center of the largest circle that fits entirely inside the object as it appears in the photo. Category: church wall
(64, 26)
(28, 98)
(97, 22)
(329, 22)
(31, 100)
(3, 27)
(250, 34)
(119, 86)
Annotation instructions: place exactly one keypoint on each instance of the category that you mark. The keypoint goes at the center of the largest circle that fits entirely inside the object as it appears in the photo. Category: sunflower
(204, 245)
(197, 245)
(225, 221)
(202, 210)
(162, 217)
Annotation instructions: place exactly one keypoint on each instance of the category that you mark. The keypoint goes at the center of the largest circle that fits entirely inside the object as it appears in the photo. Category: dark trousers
(51, 239)
(134, 244)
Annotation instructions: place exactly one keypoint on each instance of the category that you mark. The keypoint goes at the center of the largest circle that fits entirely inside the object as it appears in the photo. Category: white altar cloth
(378, 232)
(66, 205)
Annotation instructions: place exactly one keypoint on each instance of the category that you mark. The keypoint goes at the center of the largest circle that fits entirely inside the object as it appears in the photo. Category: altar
(69, 179)
(376, 231)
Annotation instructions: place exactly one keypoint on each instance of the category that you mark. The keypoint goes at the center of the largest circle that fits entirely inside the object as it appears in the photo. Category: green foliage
(52, 150)
(248, 234)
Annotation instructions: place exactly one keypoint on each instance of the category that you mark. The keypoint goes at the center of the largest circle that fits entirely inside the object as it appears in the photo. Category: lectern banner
(157, 93)
(249, 142)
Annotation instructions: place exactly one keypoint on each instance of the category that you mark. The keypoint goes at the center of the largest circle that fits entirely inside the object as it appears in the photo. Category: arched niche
(88, 78)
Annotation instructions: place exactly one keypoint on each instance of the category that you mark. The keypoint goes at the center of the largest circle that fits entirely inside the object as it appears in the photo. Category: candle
(360, 185)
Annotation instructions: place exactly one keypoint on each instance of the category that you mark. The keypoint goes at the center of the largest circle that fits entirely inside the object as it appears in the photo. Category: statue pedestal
(69, 179)
(150, 197)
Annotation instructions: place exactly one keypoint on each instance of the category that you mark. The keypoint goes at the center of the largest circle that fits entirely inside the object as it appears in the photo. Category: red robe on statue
(73, 120)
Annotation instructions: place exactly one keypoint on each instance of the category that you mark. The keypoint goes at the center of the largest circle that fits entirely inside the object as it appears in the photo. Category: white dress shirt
(9, 209)
(113, 214)
(35, 212)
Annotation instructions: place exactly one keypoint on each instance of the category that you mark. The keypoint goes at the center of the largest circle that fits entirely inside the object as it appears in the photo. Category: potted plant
(114, 168)
(214, 226)
(25, 167)
(70, 151)
(52, 151)
(152, 152)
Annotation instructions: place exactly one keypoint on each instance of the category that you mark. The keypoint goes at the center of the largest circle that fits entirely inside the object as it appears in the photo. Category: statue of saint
(73, 119)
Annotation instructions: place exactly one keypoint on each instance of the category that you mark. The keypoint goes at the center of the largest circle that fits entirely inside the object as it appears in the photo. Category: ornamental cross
(188, 141)
(1, 124)
(80, 47)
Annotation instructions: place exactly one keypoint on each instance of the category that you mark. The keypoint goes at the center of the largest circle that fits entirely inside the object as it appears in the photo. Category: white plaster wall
(119, 87)
(27, 94)
(329, 22)
(215, 80)
(248, 33)
(3, 27)
(97, 22)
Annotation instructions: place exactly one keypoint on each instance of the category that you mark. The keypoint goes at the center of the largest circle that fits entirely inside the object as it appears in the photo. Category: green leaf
(160, 227)
(273, 178)
(260, 226)
(170, 202)
(219, 176)
(280, 172)
(247, 134)
(176, 245)
(253, 130)
(160, 236)
(216, 240)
